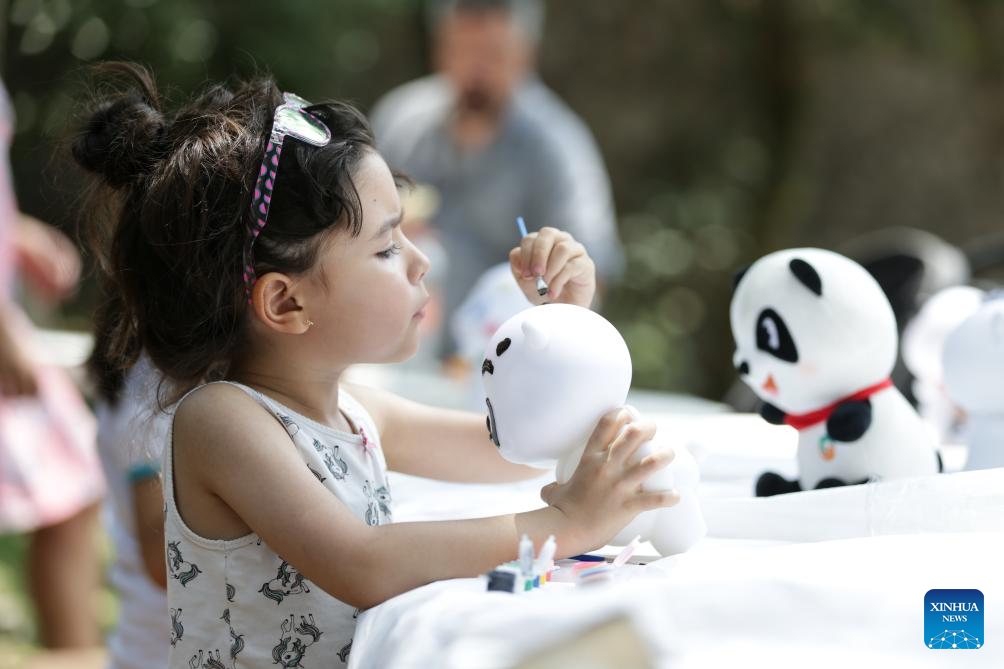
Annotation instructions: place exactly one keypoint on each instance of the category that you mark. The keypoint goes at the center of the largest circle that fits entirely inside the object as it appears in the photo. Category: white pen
(541, 284)
(526, 555)
(546, 554)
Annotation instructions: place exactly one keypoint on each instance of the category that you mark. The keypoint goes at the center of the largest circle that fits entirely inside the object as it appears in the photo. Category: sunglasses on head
(291, 119)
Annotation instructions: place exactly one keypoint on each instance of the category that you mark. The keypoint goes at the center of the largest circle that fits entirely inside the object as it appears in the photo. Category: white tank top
(236, 603)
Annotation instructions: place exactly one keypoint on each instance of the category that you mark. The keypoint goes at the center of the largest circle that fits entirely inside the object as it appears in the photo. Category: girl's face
(371, 285)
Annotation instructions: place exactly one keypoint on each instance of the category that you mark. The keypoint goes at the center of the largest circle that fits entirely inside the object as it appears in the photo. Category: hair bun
(121, 141)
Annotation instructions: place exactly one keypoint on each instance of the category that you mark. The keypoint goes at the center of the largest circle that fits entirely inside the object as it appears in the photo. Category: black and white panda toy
(816, 340)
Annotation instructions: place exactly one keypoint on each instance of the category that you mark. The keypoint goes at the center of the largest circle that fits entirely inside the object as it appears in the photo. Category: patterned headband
(291, 119)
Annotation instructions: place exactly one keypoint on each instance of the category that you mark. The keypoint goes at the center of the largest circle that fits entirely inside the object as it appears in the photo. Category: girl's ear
(276, 302)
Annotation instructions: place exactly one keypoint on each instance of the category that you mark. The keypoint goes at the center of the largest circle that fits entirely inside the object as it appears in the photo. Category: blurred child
(50, 480)
(256, 242)
(131, 435)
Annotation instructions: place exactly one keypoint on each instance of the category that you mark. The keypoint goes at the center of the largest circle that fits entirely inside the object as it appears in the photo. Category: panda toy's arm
(850, 420)
(771, 414)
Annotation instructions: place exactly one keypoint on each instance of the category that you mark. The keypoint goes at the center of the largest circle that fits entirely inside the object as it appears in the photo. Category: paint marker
(526, 555)
(541, 285)
(545, 557)
(628, 551)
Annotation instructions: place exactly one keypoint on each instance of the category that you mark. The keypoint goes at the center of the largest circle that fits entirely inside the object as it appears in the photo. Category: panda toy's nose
(743, 368)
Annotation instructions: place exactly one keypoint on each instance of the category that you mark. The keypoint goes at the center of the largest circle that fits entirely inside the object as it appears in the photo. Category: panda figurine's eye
(770, 327)
(772, 336)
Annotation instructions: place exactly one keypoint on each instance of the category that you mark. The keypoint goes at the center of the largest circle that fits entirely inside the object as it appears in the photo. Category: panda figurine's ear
(536, 336)
(807, 275)
(738, 276)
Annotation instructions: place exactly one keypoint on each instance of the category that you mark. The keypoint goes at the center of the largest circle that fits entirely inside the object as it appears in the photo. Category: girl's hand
(47, 257)
(605, 492)
(562, 262)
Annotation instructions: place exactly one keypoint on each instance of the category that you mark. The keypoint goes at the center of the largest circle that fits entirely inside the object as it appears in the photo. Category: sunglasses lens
(294, 100)
(302, 126)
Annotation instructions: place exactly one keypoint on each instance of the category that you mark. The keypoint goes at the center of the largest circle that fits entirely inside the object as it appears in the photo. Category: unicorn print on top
(288, 581)
(336, 464)
(294, 641)
(550, 373)
(183, 572)
(206, 660)
(816, 340)
(378, 506)
(236, 640)
(177, 629)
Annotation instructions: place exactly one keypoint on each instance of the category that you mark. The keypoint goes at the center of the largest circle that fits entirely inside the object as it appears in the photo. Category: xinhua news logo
(953, 619)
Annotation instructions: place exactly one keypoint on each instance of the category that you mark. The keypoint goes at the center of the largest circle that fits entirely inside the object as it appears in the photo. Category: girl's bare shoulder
(219, 417)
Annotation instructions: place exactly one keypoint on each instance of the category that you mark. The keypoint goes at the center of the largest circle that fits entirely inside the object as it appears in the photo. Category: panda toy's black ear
(738, 276)
(807, 275)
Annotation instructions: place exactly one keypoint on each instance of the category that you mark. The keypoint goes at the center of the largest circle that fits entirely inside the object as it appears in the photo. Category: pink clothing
(8, 205)
(49, 469)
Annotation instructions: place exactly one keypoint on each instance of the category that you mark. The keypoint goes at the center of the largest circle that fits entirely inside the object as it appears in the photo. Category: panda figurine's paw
(849, 421)
(771, 414)
(830, 483)
(836, 483)
(770, 484)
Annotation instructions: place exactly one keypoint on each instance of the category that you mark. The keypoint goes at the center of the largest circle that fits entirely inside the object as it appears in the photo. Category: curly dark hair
(168, 216)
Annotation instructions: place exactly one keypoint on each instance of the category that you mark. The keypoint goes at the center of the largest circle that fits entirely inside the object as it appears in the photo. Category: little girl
(255, 243)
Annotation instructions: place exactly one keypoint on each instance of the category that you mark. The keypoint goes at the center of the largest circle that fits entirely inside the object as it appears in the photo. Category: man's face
(484, 55)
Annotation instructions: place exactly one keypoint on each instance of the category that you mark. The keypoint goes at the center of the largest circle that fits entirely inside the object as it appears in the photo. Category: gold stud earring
(309, 323)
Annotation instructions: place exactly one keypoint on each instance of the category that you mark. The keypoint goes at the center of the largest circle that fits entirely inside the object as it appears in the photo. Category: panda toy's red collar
(806, 420)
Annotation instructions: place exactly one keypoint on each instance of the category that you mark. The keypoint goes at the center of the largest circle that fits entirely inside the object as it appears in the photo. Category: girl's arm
(235, 476)
(17, 376)
(436, 443)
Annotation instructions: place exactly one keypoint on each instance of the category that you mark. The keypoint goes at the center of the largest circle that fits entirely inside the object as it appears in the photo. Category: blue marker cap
(522, 226)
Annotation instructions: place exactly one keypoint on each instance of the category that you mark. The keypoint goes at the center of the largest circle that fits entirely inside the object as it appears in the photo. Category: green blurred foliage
(730, 127)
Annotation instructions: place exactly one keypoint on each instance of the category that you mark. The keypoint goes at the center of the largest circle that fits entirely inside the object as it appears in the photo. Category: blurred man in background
(495, 143)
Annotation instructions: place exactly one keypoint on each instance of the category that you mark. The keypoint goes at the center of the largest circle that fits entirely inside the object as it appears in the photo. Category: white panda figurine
(816, 341)
(923, 346)
(973, 362)
(550, 373)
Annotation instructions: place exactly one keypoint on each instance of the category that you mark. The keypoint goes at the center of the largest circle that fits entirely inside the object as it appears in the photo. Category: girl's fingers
(630, 440)
(639, 471)
(534, 250)
(606, 431)
(526, 281)
(543, 242)
(543, 245)
(648, 500)
(579, 266)
(561, 253)
(516, 263)
(545, 253)
(525, 255)
(547, 492)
